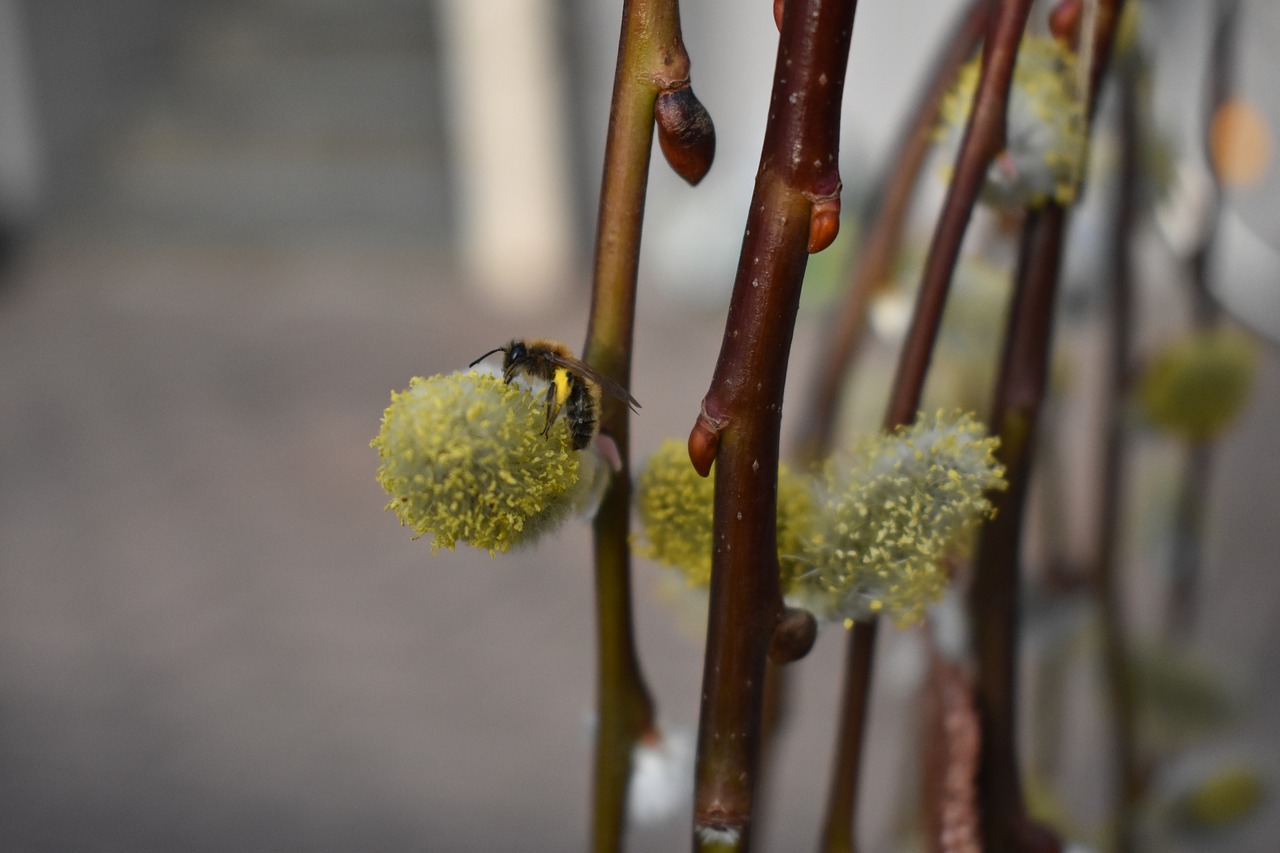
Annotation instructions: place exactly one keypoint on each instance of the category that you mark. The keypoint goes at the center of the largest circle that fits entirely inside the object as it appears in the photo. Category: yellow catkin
(463, 459)
(674, 506)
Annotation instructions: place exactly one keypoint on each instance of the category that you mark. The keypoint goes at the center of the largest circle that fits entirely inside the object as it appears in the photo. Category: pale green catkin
(886, 518)
(1197, 386)
(1045, 148)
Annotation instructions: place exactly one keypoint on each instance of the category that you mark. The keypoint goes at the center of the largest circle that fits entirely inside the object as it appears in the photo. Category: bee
(572, 384)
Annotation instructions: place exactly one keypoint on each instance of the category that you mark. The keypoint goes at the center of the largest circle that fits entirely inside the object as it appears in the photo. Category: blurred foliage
(1227, 796)
(1180, 699)
(1198, 384)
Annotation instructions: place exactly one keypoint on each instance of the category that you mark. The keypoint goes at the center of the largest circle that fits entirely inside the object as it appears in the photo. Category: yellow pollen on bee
(561, 380)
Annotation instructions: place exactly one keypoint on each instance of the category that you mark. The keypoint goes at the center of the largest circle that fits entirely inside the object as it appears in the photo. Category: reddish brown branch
(983, 140)
(878, 251)
(993, 595)
(994, 592)
(950, 751)
(742, 410)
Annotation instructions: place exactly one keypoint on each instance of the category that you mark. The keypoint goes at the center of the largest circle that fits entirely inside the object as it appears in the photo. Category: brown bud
(794, 636)
(704, 441)
(777, 13)
(685, 133)
(1064, 21)
(824, 223)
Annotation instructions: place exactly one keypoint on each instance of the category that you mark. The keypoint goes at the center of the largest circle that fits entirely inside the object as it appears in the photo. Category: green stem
(795, 187)
(651, 59)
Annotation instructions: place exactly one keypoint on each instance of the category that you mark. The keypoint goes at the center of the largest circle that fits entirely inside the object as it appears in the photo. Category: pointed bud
(704, 440)
(685, 133)
(824, 223)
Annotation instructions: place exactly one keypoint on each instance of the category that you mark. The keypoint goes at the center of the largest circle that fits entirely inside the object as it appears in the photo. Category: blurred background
(229, 228)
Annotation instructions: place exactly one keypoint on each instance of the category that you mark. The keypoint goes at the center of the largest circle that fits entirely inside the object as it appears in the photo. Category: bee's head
(514, 354)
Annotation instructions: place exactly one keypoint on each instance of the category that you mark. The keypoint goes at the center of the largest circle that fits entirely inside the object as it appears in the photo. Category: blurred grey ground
(212, 637)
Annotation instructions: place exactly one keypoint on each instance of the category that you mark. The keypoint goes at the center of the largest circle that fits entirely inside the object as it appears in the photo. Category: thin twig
(1106, 580)
(1190, 509)
(983, 139)
(839, 829)
(993, 595)
(796, 186)
(950, 751)
(651, 61)
(843, 339)
(878, 251)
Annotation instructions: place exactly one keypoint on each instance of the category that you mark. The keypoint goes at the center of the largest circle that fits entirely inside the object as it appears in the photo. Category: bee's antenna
(486, 355)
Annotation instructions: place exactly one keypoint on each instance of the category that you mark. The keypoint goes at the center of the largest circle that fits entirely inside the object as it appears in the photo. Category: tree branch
(983, 140)
(796, 186)
(652, 64)
(879, 250)
(994, 593)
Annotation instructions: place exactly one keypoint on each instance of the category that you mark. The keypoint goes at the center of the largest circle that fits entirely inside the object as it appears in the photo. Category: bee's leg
(553, 409)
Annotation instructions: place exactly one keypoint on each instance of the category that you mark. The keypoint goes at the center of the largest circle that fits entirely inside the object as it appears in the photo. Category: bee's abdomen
(581, 414)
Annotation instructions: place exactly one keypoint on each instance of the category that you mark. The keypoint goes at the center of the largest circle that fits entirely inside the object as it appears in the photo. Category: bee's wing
(613, 389)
